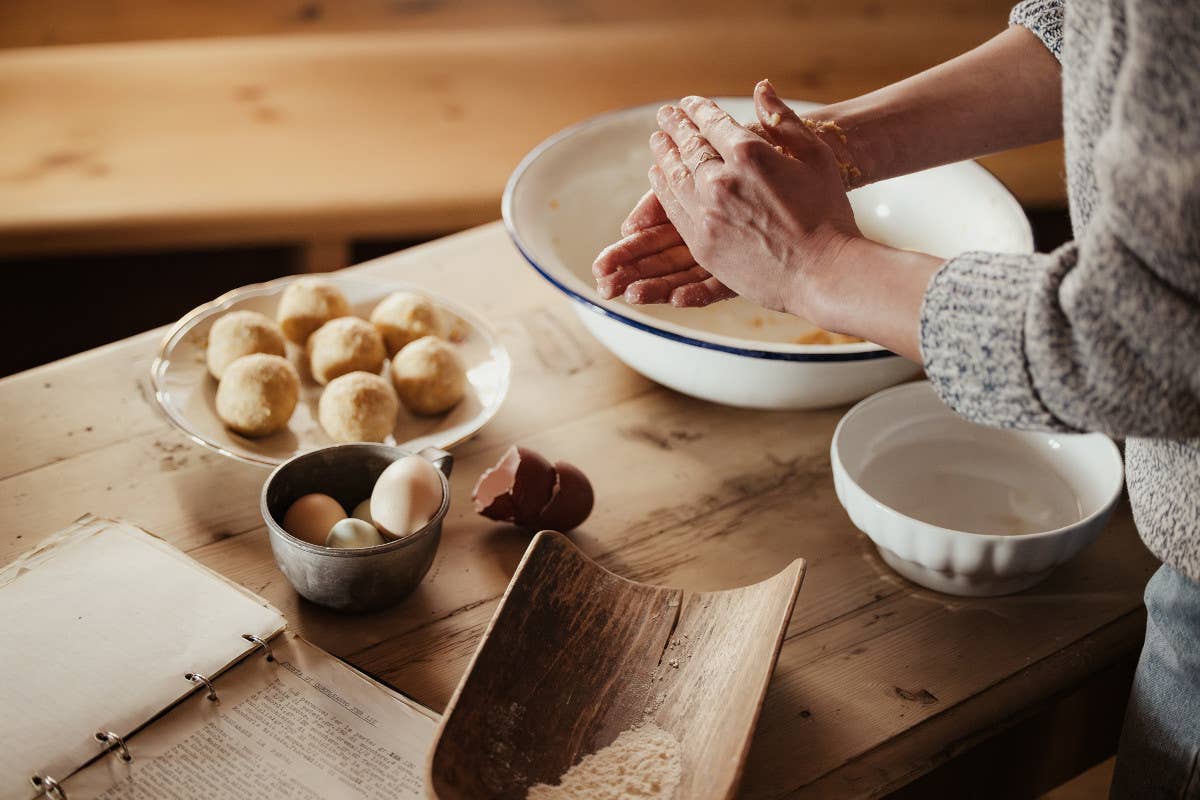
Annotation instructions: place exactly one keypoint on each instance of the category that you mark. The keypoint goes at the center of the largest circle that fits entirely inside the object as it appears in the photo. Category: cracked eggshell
(571, 501)
(516, 489)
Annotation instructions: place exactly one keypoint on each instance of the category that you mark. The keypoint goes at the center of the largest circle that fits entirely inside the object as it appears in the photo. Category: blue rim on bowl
(873, 351)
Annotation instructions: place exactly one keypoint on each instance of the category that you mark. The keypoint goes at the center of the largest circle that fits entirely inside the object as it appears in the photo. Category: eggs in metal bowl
(567, 198)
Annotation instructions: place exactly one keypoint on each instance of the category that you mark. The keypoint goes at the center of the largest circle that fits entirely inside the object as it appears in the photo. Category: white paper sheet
(97, 627)
(306, 727)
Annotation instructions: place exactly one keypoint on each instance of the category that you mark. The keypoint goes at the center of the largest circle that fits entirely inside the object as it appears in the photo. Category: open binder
(129, 670)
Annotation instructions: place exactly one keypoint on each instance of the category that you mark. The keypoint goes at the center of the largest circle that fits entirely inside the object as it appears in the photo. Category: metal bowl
(362, 579)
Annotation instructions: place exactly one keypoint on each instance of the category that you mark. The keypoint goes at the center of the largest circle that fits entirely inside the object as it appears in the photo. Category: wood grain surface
(34, 23)
(576, 655)
(326, 137)
(878, 681)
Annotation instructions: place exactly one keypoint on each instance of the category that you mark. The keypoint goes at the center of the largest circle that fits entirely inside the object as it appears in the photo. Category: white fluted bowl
(903, 462)
(566, 200)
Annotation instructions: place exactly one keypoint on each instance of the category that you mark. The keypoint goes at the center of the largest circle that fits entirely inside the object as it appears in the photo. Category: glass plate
(187, 393)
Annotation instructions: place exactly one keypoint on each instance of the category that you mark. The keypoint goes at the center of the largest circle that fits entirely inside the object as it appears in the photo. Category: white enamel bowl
(566, 200)
(903, 461)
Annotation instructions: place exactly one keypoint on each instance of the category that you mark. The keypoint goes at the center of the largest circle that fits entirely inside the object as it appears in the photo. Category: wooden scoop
(575, 655)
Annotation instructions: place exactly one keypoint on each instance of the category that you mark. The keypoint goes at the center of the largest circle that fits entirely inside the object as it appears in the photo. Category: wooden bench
(328, 133)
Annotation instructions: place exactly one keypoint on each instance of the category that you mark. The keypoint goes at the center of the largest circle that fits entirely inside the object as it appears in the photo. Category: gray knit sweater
(1103, 334)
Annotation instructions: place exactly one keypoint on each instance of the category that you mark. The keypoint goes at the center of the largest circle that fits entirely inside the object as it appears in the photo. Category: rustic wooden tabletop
(879, 682)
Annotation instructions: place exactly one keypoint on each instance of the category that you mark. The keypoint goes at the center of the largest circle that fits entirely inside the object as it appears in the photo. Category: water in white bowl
(978, 487)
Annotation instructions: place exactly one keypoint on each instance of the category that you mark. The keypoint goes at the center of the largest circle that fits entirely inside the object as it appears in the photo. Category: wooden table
(879, 682)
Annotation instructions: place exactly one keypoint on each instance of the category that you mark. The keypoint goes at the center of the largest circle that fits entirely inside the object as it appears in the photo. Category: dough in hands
(241, 333)
(257, 394)
(429, 376)
(307, 304)
(358, 407)
(343, 345)
(404, 317)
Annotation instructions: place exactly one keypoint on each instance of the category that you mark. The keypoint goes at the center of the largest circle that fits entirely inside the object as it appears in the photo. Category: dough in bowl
(358, 407)
(257, 394)
(429, 376)
(241, 333)
(343, 345)
(404, 317)
(308, 304)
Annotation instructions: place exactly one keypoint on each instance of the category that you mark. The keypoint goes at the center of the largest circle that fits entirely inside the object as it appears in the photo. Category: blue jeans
(1159, 754)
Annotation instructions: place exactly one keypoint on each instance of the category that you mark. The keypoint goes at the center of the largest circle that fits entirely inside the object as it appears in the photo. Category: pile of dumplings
(259, 387)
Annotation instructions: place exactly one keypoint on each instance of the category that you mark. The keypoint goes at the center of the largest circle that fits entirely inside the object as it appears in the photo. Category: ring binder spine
(249, 637)
(114, 743)
(50, 787)
(198, 679)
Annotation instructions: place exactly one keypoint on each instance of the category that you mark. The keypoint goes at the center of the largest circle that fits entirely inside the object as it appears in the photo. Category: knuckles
(752, 152)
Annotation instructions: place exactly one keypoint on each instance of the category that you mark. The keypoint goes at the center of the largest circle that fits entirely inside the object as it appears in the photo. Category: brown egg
(527, 490)
(312, 516)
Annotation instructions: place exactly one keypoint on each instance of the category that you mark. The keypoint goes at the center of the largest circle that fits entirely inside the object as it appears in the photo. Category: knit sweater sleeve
(1044, 18)
(1102, 334)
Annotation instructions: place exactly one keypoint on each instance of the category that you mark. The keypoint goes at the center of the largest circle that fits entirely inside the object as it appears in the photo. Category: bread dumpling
(429, 376)
(257, 394)
(241, 333)
(343, 345)
(307, 304)
(404, 317)
(358, 407)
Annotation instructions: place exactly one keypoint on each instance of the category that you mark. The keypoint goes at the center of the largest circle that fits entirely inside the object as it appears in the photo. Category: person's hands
(763, 223)
(651, 263)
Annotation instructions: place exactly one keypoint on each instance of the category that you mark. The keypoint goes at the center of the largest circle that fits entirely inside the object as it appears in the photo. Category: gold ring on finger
(706, 157)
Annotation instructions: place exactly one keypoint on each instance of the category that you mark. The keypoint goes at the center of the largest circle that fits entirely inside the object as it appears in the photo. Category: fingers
(635, 246)
(668, 159)
(674, 259)
(646, 214)
(717, 127)
(658, 290)
(666, 190)
(693, 148)
(781, 124)
(704, 293)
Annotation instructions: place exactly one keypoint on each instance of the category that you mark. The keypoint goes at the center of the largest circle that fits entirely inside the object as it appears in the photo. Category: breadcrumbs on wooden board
(643, 763)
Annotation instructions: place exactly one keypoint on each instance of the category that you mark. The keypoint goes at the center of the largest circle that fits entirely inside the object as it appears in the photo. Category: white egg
(363, 511)
(353, 533)
(407, 495)
(311, 517)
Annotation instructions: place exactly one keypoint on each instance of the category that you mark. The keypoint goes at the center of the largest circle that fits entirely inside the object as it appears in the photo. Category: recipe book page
(304, 726)
(99, 624)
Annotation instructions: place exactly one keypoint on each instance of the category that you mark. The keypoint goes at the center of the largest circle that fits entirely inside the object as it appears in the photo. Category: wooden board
(878, 681)
(577, 656)
(325, 138)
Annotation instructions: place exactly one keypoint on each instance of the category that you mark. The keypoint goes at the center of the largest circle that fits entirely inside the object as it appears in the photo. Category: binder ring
(50, 787)
(114, 743)
(249, 637)
(198, 679)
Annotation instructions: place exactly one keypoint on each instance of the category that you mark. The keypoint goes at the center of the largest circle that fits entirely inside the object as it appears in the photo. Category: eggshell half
(572, 499)
(516, 489)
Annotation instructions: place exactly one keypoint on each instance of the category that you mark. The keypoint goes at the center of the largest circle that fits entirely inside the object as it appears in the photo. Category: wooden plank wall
(31, 23)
